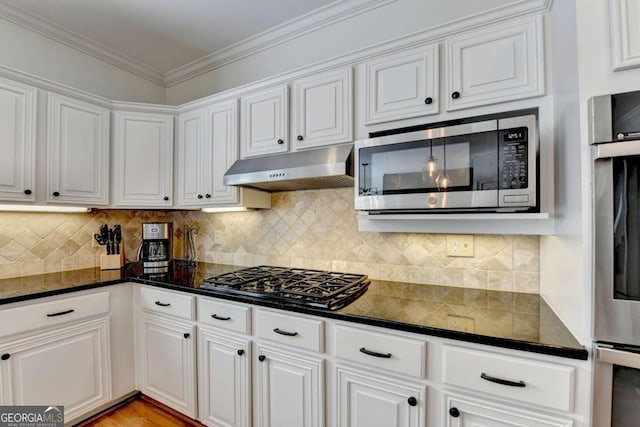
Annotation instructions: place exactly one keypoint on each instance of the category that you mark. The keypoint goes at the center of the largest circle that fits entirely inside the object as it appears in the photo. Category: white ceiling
(162, 35)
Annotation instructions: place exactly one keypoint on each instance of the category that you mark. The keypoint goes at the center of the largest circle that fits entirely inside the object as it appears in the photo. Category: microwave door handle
(617, 149)
(614, 356)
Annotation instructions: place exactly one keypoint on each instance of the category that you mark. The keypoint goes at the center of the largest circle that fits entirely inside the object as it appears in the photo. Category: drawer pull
(5, 356)
(161, 304)
(375, 353)
(454, 412)
(240, 352)
(186, 335)
(215, 316)
(501, 381)
(412, 401)
(281, 332)
(262, 357)
(60, 313)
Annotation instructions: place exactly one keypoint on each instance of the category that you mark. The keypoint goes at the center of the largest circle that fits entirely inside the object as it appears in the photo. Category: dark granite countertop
(504, 319)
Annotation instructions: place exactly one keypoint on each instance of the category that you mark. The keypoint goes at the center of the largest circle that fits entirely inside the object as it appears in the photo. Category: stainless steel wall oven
(615, 135)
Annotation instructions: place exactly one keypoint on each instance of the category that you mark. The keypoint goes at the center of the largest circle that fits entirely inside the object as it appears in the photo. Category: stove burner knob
(262, 358)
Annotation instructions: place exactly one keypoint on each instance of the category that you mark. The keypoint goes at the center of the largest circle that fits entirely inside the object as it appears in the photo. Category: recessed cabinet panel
(193, 155)
(323, 106)
(402, 85)
(77, 152)
(495, 64)
(223, 128)
(290, 389)
(365, 400)
(17, 141)
(265, 122)
(143, 157)
(625, 33)
(67, 367)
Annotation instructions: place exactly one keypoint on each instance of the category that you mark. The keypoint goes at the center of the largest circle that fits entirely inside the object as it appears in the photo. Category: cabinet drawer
(529, 381)
(224, 315)
(290, 330)
(167, 302)
(402, 355)
(34, 316)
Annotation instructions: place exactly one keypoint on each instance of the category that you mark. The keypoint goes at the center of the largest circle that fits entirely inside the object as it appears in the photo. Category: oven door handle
(613, 356)
(616, 149)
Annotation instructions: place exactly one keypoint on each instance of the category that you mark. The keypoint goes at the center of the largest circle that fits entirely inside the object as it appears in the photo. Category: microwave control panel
(513, 153)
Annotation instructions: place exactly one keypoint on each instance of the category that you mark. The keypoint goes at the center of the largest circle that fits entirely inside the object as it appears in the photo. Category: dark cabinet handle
(199, 196)
(165, 198)
(412, 401)
(455, 95)
(428, 100)
(280, 141)
(60, 313)
(262, 357)
(186, 335)
(5, 356)
(240, 352)
(208, 196)
(300, 138)
(281, 332)
(56, 194)
(454, 412)
(161, 304)
(215, 316)
(501, 381)
(375, 353)
(27, 192)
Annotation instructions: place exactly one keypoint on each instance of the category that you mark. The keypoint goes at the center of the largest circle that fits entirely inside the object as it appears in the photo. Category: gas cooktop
(312, 288)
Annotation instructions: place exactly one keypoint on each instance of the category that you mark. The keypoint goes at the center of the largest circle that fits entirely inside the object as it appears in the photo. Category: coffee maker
(155, 249)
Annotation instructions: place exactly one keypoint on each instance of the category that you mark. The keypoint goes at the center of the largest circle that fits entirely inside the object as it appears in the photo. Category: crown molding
(292, 29)
(24, 19)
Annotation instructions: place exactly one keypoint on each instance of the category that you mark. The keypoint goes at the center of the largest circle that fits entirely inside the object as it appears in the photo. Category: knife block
(112, 262)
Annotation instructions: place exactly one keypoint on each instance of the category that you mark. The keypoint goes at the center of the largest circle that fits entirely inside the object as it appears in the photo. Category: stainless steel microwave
(488, 165)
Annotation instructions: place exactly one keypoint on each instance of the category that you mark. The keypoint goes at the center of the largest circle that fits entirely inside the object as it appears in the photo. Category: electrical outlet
(461, 323)
(460, 245)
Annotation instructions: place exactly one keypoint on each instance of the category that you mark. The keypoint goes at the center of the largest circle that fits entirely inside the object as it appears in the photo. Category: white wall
(35, 54)
(391, 21)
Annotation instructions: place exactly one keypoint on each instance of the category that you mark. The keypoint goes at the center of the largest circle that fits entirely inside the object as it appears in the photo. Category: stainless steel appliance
(615, 134)
(483, 164)
(155, 249)
(327, 167)
(311, 288)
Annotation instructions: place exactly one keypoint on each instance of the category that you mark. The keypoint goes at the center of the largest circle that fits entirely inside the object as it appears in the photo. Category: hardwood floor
(142, 412)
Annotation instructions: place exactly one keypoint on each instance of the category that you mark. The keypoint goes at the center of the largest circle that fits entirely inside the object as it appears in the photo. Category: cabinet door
(194, 154)
(224, 383)
(69, 367)
(402, 85)
(322, 110)
(166, 365)
(77, 152)
(465, 412)
(143, 157)
(495, 64)
(265, 122)
(17, 141)
(290, 389)
(365, 400)
(625, 33)
(223, 134)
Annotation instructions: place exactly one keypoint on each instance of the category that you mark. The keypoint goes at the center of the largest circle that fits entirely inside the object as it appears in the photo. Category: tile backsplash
(310, 229)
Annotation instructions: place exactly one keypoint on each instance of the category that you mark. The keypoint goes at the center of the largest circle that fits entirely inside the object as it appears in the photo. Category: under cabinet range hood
(329, 167)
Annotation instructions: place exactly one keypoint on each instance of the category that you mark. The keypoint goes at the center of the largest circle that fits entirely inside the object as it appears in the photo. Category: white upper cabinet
(625, 33)
(495, 64)
(17, 141)
(402, 85)
(222, 124)
(143, 159)
(322, 109)
(194, 156)
(77, 152)
(264, 122)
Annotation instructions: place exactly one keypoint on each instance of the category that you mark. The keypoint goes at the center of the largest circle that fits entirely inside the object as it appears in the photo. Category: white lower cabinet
(290, 388)
(166, 365)
(365, 400)
(69, 366)
(224, 380)
(466, 412)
